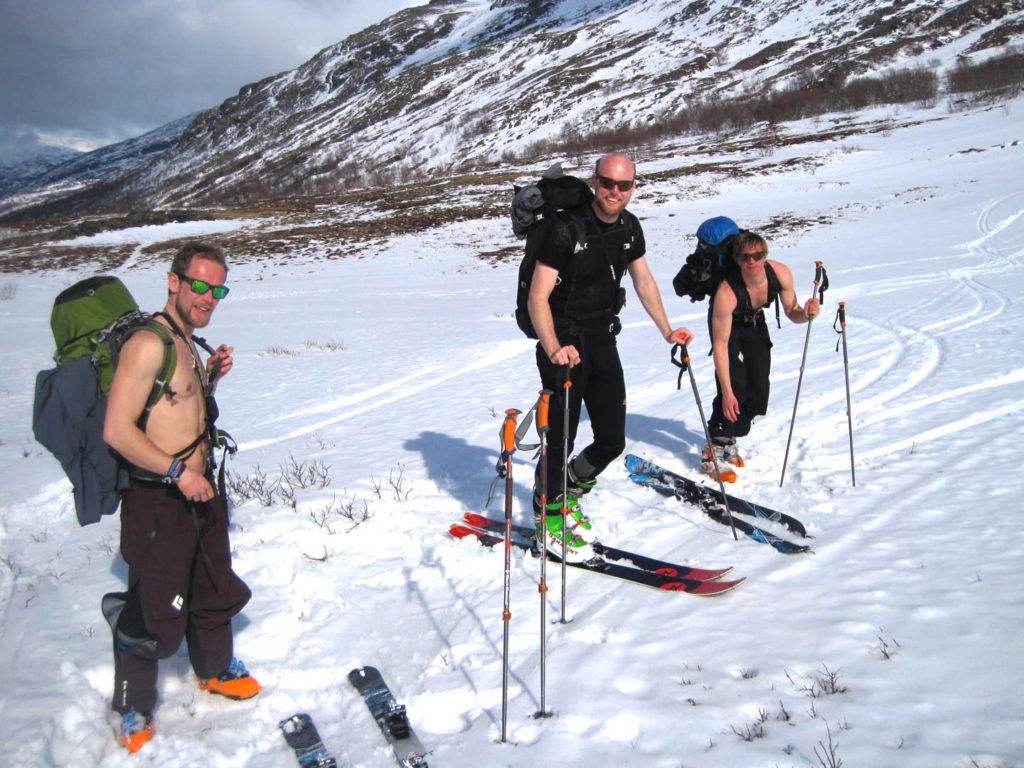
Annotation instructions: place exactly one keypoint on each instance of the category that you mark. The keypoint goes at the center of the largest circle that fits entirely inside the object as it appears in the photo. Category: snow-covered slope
(898, 639)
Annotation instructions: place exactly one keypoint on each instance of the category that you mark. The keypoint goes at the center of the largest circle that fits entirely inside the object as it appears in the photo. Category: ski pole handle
(820, 281)
(508, 431)
(543, 406)
(842, 314)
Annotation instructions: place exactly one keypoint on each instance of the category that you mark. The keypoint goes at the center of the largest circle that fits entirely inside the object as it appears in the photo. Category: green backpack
(90, 321)
(95, 317)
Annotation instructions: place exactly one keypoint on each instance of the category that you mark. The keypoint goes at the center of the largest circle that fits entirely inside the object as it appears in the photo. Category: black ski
(390, 716)
(691, 490)
(669, 483)
(643, 562)
(302, 736)
(704, 587)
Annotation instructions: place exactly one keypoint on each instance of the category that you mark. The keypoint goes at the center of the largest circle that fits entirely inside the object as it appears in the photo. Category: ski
(709, 500)
(493, 525)
(691, 491)
(302, 736)
(599, 565)
(390, 716)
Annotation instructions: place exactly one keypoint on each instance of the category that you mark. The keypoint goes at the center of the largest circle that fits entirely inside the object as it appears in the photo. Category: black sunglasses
(624, 185)
(755, 256)
(201, 286)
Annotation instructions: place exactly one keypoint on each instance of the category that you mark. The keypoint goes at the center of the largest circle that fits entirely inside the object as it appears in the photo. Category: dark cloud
(95, 71)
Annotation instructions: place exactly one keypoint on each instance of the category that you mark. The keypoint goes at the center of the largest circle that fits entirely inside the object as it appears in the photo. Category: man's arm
(787, 295)
(139, 363)
(721, 330)
(544, 279)
(650, 297)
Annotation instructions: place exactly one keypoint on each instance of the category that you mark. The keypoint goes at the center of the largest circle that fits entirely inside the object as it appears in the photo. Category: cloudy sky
(83, 73)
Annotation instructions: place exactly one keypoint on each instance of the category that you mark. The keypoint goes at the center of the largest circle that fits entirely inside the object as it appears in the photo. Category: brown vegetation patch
(45, 258)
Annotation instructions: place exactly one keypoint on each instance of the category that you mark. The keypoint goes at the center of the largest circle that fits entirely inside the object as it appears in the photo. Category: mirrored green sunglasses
(201, 286)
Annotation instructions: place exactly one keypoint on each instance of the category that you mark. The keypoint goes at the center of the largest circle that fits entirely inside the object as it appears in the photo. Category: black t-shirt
(591, 257)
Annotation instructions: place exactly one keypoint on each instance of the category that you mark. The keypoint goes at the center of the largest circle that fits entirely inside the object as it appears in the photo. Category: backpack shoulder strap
(774, 289)
(162, 383)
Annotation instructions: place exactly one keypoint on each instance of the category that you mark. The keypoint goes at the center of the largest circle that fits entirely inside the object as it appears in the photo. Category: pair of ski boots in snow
(137, 727)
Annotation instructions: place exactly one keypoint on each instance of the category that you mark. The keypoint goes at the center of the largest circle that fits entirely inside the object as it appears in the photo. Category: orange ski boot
(236, 683)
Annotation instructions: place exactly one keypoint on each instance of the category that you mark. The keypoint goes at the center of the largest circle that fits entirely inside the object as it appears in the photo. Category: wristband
(174, 472)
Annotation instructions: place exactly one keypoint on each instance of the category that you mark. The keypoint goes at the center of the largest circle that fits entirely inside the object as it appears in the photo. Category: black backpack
(711, 263)
(536, 205)
(706, 266)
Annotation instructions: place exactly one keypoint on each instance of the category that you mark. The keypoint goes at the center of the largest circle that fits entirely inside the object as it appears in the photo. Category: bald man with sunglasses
(741, 346)
(573, 304)
(174, 524)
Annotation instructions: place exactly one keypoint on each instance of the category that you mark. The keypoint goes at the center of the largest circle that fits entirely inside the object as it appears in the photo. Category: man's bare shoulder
(143, 350)
(782, 272)
(725, 298)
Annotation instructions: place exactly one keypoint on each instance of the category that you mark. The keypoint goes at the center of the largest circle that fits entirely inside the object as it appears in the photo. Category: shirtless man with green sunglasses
(174, 524)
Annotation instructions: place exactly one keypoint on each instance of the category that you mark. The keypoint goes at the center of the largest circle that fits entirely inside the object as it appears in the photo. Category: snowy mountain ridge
(460, 84)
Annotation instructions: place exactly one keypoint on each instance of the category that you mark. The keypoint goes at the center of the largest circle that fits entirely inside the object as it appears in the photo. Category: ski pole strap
(538, 414)
(524, 427)
(839, 324)
(682, 363)
(507, 434)
(820, 280)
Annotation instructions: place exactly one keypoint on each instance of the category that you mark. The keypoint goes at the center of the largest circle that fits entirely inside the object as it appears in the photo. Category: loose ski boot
(577, 548)
(732, 456)
(136, 730)
(236, 683)
(722, 471)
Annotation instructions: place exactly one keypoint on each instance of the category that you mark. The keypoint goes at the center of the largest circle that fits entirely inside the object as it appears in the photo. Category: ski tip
(361, 673)
(706, 588)
(475, 518)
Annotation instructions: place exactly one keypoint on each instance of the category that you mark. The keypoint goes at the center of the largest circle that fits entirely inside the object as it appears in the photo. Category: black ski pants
(750, 363)
(180, 586)
(599, 384)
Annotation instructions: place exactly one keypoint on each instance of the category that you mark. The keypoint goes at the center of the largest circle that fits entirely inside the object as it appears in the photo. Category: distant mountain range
(31, 165)
(462, 84)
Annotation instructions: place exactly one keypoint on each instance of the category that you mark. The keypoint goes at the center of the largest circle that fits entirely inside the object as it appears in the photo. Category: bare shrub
(278, 352)
(400, 490)
(242, 488)
(829, 755)
(996, 72)
(305, 474)
(331, 345)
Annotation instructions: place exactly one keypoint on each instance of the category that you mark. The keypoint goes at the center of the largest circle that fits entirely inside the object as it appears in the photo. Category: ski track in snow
(389, 394)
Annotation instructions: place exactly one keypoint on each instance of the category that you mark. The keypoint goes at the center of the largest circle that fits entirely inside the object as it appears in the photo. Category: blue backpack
(706, 267)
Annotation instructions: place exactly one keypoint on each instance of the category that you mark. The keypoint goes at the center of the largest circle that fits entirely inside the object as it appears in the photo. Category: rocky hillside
(463, 84)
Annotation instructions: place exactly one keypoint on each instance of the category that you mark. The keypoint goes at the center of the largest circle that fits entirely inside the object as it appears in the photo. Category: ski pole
(683, 363)
(841, 322)
(508, 447)
(820, 279)
(566, 386)
(543, 405)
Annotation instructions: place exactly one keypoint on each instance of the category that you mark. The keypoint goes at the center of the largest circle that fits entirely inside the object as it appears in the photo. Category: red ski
(669, 583)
